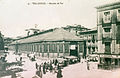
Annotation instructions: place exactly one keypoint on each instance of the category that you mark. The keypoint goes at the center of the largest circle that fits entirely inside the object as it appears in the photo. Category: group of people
(52, 67)
(32, 58)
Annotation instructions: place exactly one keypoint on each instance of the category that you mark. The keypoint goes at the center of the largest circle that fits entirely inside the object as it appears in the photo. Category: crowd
(52, 67)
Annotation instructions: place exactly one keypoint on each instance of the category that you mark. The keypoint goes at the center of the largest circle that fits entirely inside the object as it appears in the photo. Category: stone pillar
(63, 48)
(69, 48)
(42, 50)
(48, 50)
(78, 49)
(58, 50)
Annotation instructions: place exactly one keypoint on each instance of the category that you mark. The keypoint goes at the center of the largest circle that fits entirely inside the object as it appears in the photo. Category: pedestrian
(36, 65)
(47, 67)
(56, 61)
(53, 61)
(40, 68)
(58, 66)
(59, 73)
(51, 67)
(88, 66)
(65, 63)
(44, 72)
(20, 58)
(28, 55)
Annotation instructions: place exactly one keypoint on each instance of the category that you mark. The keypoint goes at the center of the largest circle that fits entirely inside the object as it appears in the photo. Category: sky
(17, 15)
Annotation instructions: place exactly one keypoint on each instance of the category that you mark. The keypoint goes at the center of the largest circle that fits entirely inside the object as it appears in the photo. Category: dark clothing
(44, 72)
(59, 73)
(56, 61)
(36, 65)
(88, 67)
(20, 58)
(40, 68)
(58, 66)
(51, 67)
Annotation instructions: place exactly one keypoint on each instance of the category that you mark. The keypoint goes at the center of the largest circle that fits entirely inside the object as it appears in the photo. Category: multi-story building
(108, 24)
(90, 39)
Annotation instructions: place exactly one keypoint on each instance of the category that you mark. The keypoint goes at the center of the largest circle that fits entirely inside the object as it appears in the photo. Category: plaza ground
(78, 70)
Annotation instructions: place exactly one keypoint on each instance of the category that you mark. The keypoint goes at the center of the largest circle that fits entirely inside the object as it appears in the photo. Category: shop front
(109, 61)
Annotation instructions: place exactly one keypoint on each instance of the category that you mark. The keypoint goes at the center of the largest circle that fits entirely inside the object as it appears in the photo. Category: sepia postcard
(59, 38)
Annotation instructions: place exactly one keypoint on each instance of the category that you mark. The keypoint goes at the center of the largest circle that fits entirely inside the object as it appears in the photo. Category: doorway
(73, 50)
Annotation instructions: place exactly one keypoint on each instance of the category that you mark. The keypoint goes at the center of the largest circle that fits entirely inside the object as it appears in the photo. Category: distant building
(50, 43)
(1, 42)
(75, 29)
(90, 39)
(1, 45)
(32, 31)
(8, 40)
(108, 24)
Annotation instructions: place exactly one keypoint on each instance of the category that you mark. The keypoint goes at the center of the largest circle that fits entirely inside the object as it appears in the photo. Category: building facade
(90, 39)
(53, 43)
(108, 24)
(75, 29)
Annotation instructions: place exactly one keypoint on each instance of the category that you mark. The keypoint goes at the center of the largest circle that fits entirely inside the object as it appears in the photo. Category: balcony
(107, 51)
(88, 44)
(93, 44)
(107, 36)
(89, 38)
(85, 38)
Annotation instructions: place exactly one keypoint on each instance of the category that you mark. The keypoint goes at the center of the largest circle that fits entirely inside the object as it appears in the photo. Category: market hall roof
(57, 35)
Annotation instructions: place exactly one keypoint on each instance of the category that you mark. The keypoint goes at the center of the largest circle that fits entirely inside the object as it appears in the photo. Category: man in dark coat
(59, 73)
(44, 72)
(51, 67)
(56, 61)
(36, 65)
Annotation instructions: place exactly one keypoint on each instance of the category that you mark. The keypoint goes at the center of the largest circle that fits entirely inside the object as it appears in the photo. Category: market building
(108, 23)
(51, 43)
